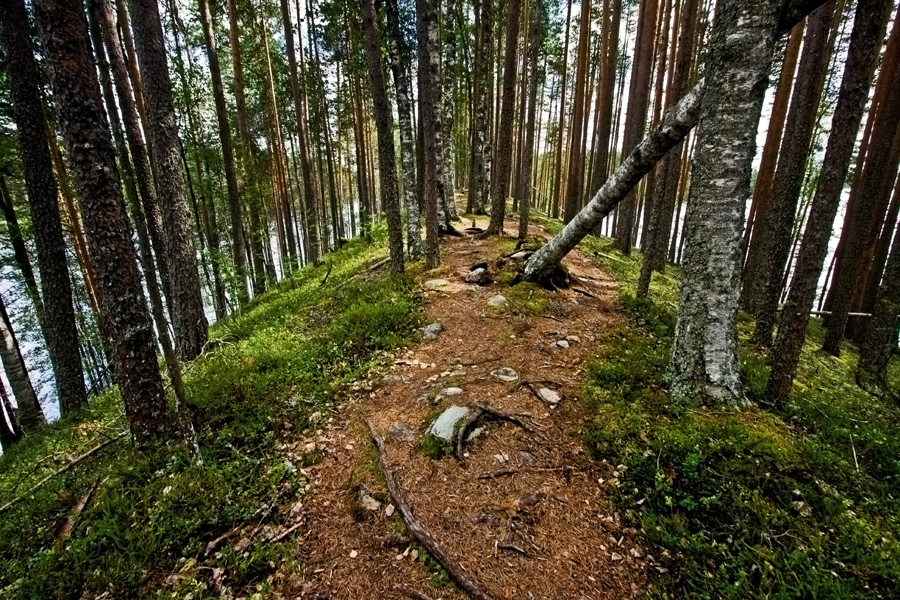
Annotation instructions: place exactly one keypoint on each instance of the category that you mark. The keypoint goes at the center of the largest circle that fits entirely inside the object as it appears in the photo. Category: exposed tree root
(413, 592)
(466, 581)
(481, 410)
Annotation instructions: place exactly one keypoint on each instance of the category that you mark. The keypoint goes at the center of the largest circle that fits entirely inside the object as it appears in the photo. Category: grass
(799, 502)
(287, 356)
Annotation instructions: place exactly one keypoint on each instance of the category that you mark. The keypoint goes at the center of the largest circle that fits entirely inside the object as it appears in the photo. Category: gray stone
(447, 393)
(520, 255)
(391, 379)
(505, 374)
(437, 284)
(401, 432)
(443, 427)
(548, 395)
(431, 332)
(497, 301)
(479, 276)
(475, 433)
(562, 344)
(367, 502)
(528, 459)
(573, 339)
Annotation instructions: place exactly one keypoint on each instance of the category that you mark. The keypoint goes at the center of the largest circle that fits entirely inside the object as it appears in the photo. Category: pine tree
(427, 30)
(59, 326)
(30, 413)
(92, 157)
(188, 319)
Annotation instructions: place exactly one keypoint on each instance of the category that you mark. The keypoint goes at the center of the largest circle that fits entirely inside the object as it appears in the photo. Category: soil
(546, 530)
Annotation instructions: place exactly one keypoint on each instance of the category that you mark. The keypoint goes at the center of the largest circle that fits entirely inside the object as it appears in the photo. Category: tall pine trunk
(574, 179)
(188, 319)
(427, 33)
(59, 328)
(387, 168)
(77, 98)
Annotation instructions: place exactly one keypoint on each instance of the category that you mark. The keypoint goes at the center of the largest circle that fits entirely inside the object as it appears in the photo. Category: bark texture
(92, 158)
(384, 122)
(881, 334)
(31, 415)
(704, 355)
(427, 30)
(59, 330)
(188, 319)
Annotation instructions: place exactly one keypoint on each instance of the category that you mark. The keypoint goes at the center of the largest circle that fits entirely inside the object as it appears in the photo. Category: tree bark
(30, 413)
(636, 115)
(879, 169)
(881, 335)
(774, 241)
(225, 139)
(10, 431)
(77, 98)
(535, 81)
(575, 177)
(188, 319)
(399, 53)
(387, 167)
(20, 251)
(558, 164)
(504, 148)
(59, 331)
(427, 30)
(704, 355)
(479, 182)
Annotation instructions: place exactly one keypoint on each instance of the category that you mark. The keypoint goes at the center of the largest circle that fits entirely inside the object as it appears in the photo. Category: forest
(447, 299)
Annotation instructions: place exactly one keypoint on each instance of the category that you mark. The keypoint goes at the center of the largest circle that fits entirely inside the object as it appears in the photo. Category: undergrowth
(152, 514)
(798, 502)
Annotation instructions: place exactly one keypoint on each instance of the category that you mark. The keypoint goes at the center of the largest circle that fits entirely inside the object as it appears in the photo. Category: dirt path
(553, 508)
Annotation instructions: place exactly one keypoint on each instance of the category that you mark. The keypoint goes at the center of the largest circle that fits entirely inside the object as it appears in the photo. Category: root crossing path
(525, 513)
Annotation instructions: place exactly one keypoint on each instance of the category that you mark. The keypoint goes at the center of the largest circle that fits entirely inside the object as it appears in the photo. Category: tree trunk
(258, 229)
(669, 171)
(188, 318)
(427, 30)
(387, 168)
(59, 331)
(881, 335)
(879, 169)
(30, 413)
(778, 222)
(479, 182)
(704, 355)
(535, 81)
(10, 431)
(231, 184)
(557, 165)
(762, 192)
(507, 109)
(78, 102)
(612, 15)
(20, 251)
(636, 115)
(575, 177)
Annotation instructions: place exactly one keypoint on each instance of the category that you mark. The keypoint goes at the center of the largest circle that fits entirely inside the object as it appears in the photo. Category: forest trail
(553, 509)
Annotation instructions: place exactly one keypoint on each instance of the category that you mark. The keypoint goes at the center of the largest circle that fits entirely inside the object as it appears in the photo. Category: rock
(437, 284)
(497, 301)
(447, 393)
(562, 344)
(573, 339)
(401, 432)
(520, 255)
(431, 332)
(505, 374)
(548, 395)
(527, 458)
(479, 276)
(445, 425)
(423, 399)
(315, 417)
(367, 502)
(391, 379)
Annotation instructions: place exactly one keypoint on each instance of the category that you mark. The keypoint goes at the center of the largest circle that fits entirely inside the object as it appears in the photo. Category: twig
(379, 264)
(557, 319)
(210, 547)
(514, 470)
(513, 547)
(66, 528)
(394, 541)
(585, 292)
(504, 416)
(461, 434)
(855, 462)
(466, 581)
(286, 532)
(330, 266)
(71, 463)
(413, 592)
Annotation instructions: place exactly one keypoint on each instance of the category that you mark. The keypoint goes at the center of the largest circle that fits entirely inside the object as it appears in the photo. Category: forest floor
(542, 527)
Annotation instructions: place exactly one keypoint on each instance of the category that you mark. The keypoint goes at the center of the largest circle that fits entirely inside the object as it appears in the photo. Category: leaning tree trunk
(504, 142)
(77, 98)
(774, 241)
(20, 251)
(188, 319)
(231, 185)
(387, 168)
(31, 415)
(59, 327)
(399, 53)
(704, 355)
